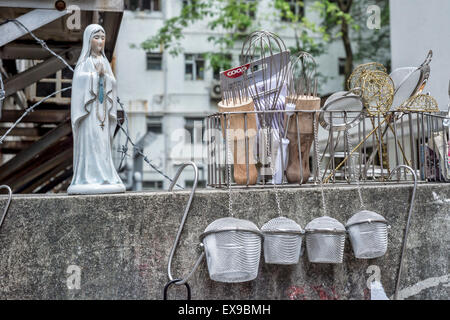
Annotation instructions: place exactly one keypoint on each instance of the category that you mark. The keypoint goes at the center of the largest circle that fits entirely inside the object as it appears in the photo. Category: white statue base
(96, 188)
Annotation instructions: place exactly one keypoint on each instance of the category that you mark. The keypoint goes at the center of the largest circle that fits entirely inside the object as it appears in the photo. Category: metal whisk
(302, 76)
(301, 95)
(267, 57)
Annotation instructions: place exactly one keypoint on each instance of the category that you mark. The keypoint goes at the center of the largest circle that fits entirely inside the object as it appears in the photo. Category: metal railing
(366, 149)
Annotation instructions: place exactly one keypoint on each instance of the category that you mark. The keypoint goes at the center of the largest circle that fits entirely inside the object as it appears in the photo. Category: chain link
(316, 154)
(269, 156)
(352, 168)
(230, 199)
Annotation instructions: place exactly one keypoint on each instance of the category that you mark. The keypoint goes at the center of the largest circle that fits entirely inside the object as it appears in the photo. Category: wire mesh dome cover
(233, 249)
(325, 240)
(368, 234)
(282, 241)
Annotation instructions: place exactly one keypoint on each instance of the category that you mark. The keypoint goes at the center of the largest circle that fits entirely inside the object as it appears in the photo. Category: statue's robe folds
(93, 167)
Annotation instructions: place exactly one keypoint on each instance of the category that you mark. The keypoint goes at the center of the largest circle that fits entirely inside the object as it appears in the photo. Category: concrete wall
(122, 243)
(416, 27)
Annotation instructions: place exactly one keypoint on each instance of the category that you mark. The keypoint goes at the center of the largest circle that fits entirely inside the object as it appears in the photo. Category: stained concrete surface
(121, 244)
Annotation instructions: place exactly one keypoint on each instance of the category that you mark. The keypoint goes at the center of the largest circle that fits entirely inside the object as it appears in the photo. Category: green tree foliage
(235, 19)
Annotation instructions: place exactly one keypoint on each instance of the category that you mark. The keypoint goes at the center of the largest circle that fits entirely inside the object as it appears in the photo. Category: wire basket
(233, 249)
(325, 240)
(368, 234)
(380, 143)
(282, 241)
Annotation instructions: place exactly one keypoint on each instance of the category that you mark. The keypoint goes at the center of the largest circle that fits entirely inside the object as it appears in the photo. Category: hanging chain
(316, 154)
(230, 199)
(352, 167)
(269, 156)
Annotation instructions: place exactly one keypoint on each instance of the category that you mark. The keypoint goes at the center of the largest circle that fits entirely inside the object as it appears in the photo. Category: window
(225, 65)
(252, 8)
(195, 128)
(194, 67)
(60, 80)
(154, 125)
(190, 183)
(296, 8)
(341, 64)
(154, 61)
(151, 5)
(192, 6)
(152, 185)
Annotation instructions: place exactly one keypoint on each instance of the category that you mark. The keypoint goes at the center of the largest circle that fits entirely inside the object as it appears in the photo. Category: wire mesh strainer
(325, 240)
(368, 234)
(233, 249)
(282, 241)
(409, 81)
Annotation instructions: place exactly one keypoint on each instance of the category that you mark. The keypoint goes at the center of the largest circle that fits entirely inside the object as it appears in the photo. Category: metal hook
(428, 58)
(407, 224)
(166, 287)
(7, 204)
(183, 220)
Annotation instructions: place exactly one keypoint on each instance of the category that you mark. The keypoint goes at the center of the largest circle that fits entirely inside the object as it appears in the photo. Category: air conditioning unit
(216, 93)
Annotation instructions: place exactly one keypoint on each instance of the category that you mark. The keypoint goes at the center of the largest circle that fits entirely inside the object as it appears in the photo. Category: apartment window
(195, 128)
(192, 5)
(252, 8)
(154, 61)
(152, 185)
(154, 125)
(225, 66)
(194, 67)
(190, 183)
(151, 5)
(341, 64)
(296, 8)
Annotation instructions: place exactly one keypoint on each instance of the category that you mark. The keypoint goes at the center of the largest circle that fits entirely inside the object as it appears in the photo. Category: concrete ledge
(122, 242)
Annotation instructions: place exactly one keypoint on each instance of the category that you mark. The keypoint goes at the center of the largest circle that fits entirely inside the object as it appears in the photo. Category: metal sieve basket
(325, 240)
(233, 249)
(368, 234)
(282, 241)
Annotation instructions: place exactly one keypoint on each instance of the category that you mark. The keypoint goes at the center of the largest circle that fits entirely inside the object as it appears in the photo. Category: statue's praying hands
(100, 69)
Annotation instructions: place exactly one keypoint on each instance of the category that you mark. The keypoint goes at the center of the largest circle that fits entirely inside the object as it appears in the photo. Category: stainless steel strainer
(325, 240)
(368, 234)
(325, 236)
(282, 241)
(233, 249)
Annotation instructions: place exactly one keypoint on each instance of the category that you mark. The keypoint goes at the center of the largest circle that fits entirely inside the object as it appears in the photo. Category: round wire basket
(233, 249)
(325, 240)
(368, 234)
(282, 241)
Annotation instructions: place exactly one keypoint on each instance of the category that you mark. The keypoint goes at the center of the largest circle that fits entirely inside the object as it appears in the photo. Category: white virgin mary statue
(93, 113)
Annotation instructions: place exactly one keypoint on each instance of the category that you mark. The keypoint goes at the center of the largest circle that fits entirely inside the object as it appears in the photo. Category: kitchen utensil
(302, 93)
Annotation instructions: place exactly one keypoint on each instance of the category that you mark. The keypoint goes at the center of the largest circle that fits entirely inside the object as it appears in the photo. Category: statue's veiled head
(93, 42)
(98, 43)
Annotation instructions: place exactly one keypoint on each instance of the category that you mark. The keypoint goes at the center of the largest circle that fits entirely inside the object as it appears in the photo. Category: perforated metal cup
(282, 241)
(325, 240)
(368, 234)
(233, 249)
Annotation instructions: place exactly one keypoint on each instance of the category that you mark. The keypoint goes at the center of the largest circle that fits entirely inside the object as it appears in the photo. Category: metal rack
(381, 142)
